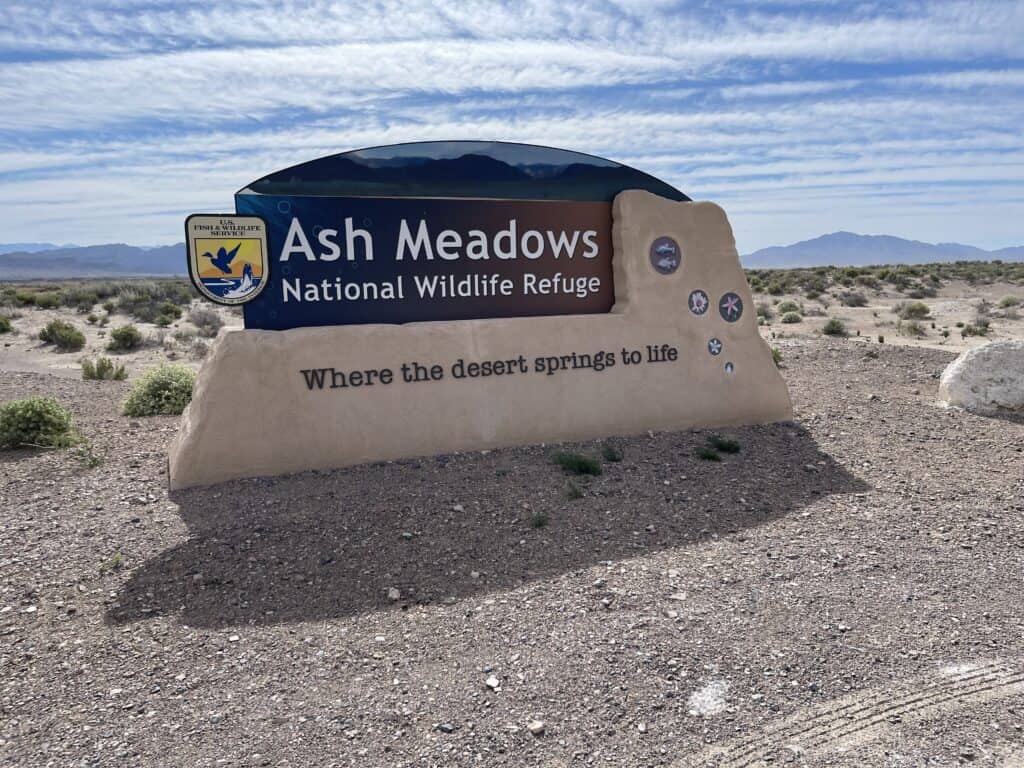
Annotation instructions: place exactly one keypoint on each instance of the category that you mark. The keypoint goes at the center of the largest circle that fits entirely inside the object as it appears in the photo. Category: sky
(120, 117)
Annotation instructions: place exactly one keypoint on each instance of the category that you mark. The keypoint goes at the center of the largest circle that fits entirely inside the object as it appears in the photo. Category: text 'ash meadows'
(448, 244)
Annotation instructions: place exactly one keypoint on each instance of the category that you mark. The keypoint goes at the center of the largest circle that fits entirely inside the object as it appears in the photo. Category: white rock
(988, 379)
(536, 727)
(493, 683)
(394, 594)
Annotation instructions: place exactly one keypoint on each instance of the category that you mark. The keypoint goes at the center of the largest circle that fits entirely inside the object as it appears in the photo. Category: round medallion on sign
(731, 307)
(698, 302)
(715, 347)
(666, 255)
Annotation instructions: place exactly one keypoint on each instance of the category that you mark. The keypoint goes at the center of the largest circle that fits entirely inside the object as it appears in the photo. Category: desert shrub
(82, 298)
(35, 422)
(706, 453)
(539, 519)
(881, 339)
(853, 299)
(813, 294)
(164, 390)
(912, 328)
(724, 444)
(573, 491)
(5, 324)
(25, 298)
(834, 327)
(198, 350)
(124, 338)
(577, 464)
(776, 288)
(145, 300)
(1008, 301)
(777, 356)
(787, 306)
(206, 320)
(62, 335)
(103, 369)
(162, 321)
(791, 317)
(92, 318)
(915, 310)
(47, 300)
(109, 307)
(611, 452)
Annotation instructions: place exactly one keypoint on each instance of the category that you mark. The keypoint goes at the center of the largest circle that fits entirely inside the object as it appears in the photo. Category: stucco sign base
(255, 412)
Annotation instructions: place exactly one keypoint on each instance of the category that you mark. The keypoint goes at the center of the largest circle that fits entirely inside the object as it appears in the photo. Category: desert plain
(840, 590)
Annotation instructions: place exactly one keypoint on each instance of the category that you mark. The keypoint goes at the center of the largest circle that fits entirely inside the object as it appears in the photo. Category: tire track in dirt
(861, 717)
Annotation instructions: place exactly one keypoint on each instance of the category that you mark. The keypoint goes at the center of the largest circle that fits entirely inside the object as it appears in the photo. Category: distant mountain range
(22, 261)
(116, 260)
(847, 249)
(31, 247)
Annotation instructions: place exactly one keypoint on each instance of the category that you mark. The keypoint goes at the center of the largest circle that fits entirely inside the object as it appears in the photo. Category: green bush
(103, 369)
(164, 390)
(206, 320)
(62, 335)
(834, 327)
(35, 422)
(915, 310)
(611, 452)
(788, 306)
(853, 299)
(124, 338)
(577, 464)
(47, 300)
(5, 324)
(791, 317)
(705, 453)
(724, 444)
(777, 356)
(1008, 301)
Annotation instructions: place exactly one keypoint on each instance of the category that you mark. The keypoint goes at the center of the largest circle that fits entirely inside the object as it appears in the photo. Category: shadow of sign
(319, 545)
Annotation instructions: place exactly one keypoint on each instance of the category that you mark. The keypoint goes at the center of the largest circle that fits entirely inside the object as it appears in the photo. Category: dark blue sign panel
(438, 231)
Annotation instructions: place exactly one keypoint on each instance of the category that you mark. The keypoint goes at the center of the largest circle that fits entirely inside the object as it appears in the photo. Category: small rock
(493, 683)
(458, 508)
(394, 594)
(447, 727)
(536, 727)
(642, 727)
(234, 639)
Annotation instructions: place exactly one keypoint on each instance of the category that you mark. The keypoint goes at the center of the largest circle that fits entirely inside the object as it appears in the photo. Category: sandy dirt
(845, 591)
(956, 302)
(22, 350)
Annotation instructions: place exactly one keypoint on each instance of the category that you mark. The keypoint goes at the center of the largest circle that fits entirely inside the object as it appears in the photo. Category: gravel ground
(845, 591)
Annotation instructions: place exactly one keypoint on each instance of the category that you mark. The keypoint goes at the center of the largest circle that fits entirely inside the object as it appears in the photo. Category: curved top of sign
(480, 169)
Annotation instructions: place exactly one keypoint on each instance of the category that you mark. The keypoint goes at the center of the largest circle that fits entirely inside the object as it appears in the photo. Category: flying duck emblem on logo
(227, 256)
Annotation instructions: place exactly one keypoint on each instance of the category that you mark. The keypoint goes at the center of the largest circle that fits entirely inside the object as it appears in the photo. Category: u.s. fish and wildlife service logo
(227, 256)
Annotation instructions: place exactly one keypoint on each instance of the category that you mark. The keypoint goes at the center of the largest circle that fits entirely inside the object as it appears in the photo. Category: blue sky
(119, 117)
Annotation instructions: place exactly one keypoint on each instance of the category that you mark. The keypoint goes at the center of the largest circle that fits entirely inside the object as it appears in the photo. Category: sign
(450, 296)
(346, 260)
(435, 231)
(227, 256)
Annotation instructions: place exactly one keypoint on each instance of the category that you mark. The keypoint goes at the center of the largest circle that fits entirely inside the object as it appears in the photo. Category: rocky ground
(845, 591)
(956, 305)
